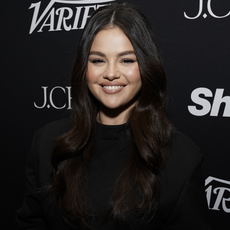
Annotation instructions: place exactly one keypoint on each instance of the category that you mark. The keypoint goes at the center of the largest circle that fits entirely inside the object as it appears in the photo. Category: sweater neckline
(109, 132)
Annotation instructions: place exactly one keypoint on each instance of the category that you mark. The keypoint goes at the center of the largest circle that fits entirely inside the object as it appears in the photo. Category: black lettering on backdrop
(209, 9)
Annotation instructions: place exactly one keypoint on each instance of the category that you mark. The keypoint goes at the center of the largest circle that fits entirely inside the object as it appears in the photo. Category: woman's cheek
(93, 74)
(133, 73)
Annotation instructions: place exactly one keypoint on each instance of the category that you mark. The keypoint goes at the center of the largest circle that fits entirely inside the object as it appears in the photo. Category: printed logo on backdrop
(210, 11)
(64, 15)
(216, 102)
(57, 97)
(218, 194)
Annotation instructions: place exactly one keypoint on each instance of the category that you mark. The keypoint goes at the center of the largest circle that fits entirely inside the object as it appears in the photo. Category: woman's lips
(112, 88)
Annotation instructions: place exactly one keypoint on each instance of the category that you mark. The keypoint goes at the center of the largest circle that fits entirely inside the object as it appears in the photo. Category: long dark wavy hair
(137, 188)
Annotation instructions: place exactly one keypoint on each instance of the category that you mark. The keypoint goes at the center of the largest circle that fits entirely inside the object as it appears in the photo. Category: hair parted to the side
(137, 188)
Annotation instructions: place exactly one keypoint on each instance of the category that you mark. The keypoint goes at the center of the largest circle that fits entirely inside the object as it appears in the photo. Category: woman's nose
(112, 72)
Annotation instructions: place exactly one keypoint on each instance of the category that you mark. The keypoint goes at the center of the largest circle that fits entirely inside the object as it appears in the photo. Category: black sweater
(182, 206)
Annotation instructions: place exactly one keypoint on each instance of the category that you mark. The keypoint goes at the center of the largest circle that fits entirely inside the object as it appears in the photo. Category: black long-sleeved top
(182, 206)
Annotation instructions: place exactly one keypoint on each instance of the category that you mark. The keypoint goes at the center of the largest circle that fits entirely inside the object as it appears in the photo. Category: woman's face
(113, 74)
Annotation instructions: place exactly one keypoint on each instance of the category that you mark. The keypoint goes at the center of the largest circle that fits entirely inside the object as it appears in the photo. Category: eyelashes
(124, 60)
(96, 61)
(128, 61)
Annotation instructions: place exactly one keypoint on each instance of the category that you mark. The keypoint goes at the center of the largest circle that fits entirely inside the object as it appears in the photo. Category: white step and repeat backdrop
(38, 44)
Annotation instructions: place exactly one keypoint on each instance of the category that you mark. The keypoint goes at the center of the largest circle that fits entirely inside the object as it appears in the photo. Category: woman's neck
(107, 120)
(116, 116)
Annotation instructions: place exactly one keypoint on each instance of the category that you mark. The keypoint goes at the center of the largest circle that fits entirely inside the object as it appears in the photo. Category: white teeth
(113, 87)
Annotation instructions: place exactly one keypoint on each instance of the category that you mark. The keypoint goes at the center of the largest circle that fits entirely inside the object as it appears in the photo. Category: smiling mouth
(113, 87)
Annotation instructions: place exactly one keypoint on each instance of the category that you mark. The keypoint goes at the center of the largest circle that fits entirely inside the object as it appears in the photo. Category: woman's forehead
(111, 39)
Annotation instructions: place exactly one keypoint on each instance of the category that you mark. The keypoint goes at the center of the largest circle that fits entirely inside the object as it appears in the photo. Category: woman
(118, 164)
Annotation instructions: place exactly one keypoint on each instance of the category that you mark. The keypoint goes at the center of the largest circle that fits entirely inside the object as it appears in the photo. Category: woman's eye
(128, 61)
(97, 61)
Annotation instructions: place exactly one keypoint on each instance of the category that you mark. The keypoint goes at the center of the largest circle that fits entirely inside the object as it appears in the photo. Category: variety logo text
(63, 14)
(218, 194)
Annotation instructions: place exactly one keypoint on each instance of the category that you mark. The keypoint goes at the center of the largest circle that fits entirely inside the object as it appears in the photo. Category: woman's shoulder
(46, 137)
(184, 155)
(183, 151)
(54, 129)
(181, 178)
(42, 146)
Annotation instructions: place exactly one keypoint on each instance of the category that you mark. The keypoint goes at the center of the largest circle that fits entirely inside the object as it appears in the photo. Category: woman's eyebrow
(119, 55)
(97, 53)
(126, 53)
